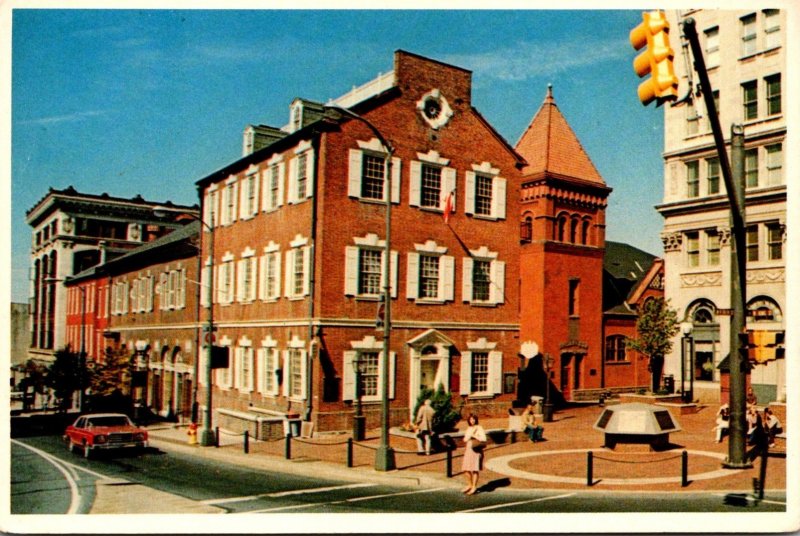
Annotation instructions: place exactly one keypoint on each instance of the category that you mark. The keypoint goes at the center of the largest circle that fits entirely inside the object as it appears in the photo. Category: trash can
(669, 383)
(291, 427)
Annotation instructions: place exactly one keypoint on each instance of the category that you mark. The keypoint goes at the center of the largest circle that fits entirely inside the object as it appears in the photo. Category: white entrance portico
(429, 364)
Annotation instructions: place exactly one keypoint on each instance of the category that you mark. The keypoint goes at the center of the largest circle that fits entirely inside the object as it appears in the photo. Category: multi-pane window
(749, 42)
(431, 186)
(299, 270)
(775, 164)
(428, 276)
(270, 273)
(481, 280)
(712, 247)
(247, 279)
(230, 203)
(774, 241)
(483, 195)
(693, 178)
(274, 186)
(750, 100)
(751, 243)
(246, 368)
(251, 209)
(692, 249)
(302, 176)
(480, 372)
(773, 94)
(712, 46)
(713, 176)
(751, 167)
(615, 348)
(372, 176)
(295, 373)
(369, 271)
(225, 286)
(269, 383)
(715, 95)
(368, 364)
(692, 120)
(772, 28)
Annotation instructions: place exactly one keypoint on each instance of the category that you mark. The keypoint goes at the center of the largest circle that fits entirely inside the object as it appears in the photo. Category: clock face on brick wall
(435, 109)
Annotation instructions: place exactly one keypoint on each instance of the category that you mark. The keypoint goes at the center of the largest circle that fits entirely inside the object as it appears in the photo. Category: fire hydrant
(192, 433)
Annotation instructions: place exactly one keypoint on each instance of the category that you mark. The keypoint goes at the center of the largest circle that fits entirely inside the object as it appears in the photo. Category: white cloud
(66, 118)
(527, 60)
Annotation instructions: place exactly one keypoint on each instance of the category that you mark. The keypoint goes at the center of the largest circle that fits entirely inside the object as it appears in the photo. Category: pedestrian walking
(424, 425)
(474, 441)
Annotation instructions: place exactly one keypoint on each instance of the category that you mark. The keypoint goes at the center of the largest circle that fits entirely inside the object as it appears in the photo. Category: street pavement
(560, 462)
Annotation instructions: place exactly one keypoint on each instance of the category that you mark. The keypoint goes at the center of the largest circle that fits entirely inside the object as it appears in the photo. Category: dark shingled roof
(623, 267)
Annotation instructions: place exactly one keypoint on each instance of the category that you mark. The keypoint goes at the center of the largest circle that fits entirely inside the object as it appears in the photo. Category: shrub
(445, 417)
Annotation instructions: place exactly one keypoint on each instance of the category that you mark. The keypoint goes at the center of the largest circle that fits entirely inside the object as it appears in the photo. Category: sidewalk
(560, 462)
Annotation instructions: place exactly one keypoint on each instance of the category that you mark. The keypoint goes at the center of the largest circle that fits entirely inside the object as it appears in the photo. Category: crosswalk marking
(354, 499)
(284, 493)
(506, 505)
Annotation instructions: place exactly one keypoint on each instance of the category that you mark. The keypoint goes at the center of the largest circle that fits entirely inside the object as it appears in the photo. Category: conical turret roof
(550, 146)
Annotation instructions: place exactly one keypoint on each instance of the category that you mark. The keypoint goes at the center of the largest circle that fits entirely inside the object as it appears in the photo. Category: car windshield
(111, 420)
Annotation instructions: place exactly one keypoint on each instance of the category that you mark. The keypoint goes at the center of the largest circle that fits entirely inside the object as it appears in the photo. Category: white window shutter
(445, 377)
(415, 184)
(266, 176)
(291, 183)
(253, 278)
(286, 373)
(495, 379)
(412, 276)
(275, 292)
(262, 277)
(446, 277)
(466, 281)
(306, 270)
(261, 365)
(465, 379)
(348, 376)
(281, 182)
(499, 198)
(256, 195)
(469, 192)
(497, 282)
(310, 174)
(303, 374)
(289, 281)
(350, 270)
(448, 186)
(396, 174)
(393, 272)
(392, 374)
(244, 186)
(240, 268)
(354, 173)
(235, 193)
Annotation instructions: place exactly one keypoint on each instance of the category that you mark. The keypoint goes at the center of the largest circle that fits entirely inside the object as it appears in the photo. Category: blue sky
(147, 102)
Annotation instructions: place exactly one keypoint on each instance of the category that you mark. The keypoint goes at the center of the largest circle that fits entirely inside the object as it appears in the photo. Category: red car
(104, 431)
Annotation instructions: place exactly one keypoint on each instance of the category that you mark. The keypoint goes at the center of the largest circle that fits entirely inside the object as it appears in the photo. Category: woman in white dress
(472, 462)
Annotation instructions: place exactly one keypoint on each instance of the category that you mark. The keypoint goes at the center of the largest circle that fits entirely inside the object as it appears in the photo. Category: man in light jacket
(424, 423)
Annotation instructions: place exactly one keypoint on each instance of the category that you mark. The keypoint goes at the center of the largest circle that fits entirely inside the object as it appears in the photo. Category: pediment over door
(430, 337)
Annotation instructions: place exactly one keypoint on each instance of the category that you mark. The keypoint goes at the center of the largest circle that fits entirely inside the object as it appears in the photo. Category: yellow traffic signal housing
(655, 60)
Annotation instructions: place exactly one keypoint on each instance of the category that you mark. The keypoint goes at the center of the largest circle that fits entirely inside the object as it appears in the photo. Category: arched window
(585, 231)
(615, 348)
(573, 230)
(526, 230)
(702, 312)
(764, 309)
(561, 228)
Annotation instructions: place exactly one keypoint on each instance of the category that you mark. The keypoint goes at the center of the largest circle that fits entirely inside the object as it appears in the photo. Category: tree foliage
(113, 374)
(445, 417)
(656, 327)
(63, 377)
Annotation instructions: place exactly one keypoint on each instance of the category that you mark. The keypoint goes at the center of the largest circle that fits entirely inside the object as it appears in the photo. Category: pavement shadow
(494, 484)
(738, 499)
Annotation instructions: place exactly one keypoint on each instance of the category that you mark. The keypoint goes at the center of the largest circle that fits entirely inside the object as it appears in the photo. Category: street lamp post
(206, 436)
(358, 418)
(384, 454)
(687, 351)
(139, 365)
(548, 406)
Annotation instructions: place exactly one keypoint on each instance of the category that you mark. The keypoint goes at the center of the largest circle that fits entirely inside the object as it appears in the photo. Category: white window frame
(299, 246)
(246, 286)
(299, 346)
(749, 35)
(268, 365)
(229, 198)
(352, 271)
(355, 171)
(446, 273)
(495, 374)
(772, 28)
(226, 284)
(292, 197)
(498, 203)
(497, 271)
(368, 344)
(712, 47)
(277, 165)
(448, 180)
(248, 198)
(224, 377)
(270, 260)
(244, 366)
(774, 164)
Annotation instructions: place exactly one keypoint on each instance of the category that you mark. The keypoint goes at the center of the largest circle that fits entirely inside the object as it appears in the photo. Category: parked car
(104, 431)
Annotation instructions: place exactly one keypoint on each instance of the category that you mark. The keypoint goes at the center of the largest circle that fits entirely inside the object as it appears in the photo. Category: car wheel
(87, 452)
(71, 446)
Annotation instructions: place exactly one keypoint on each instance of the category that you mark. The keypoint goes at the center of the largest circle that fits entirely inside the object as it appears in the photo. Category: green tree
(656, 326)
(63, 377)
(445, 417)
(110, 382)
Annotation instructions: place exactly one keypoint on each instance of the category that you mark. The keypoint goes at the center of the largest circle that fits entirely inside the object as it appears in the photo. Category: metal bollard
(684, 469)
(216, 437)
(449, 463)
(246, 442)
(762, 473)
(589, 468)
(349, 452)
(287, 451)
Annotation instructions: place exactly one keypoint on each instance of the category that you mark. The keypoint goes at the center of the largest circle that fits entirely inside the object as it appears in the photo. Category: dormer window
(297, 116)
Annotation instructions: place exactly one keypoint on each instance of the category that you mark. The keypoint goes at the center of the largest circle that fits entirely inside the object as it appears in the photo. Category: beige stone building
(745, 55)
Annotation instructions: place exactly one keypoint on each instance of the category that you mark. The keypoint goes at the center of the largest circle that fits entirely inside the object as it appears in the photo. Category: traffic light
(762, 346)
(655, 60)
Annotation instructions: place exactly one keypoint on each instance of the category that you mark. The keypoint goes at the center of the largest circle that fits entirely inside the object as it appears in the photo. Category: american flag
(448, 206)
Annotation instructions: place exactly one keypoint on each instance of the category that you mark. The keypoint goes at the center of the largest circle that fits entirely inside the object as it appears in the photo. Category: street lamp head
(687, 328)
(140, 345)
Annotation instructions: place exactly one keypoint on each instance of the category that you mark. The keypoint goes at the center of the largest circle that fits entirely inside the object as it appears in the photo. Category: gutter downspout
(312, 344)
